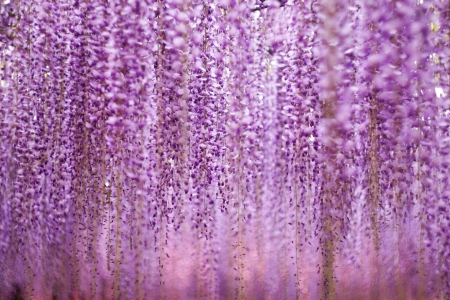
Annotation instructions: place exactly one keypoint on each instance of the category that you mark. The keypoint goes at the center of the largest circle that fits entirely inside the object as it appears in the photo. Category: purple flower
(219, 149)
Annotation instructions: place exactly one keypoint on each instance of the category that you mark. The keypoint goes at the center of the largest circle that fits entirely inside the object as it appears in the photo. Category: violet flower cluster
(224, 149)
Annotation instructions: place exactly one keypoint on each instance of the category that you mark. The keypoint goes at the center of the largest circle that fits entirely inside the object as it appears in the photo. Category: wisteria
(225, 149)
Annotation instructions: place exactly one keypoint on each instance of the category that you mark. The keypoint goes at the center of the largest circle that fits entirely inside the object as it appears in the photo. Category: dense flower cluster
(219, 149)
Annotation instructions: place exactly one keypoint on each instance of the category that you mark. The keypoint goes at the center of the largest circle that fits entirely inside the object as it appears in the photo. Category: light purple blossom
(216, 149)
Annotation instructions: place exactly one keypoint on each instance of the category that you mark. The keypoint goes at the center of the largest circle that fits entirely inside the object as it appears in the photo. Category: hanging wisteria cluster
(224, 149)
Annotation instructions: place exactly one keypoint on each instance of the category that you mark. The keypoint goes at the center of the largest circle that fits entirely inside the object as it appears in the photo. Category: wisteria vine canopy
(224, 149)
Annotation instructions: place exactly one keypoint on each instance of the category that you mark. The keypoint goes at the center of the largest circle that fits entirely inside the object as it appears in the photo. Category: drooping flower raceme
(222, 149)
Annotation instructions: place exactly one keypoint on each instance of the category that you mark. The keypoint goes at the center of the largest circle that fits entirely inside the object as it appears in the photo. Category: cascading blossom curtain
(224, 149)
